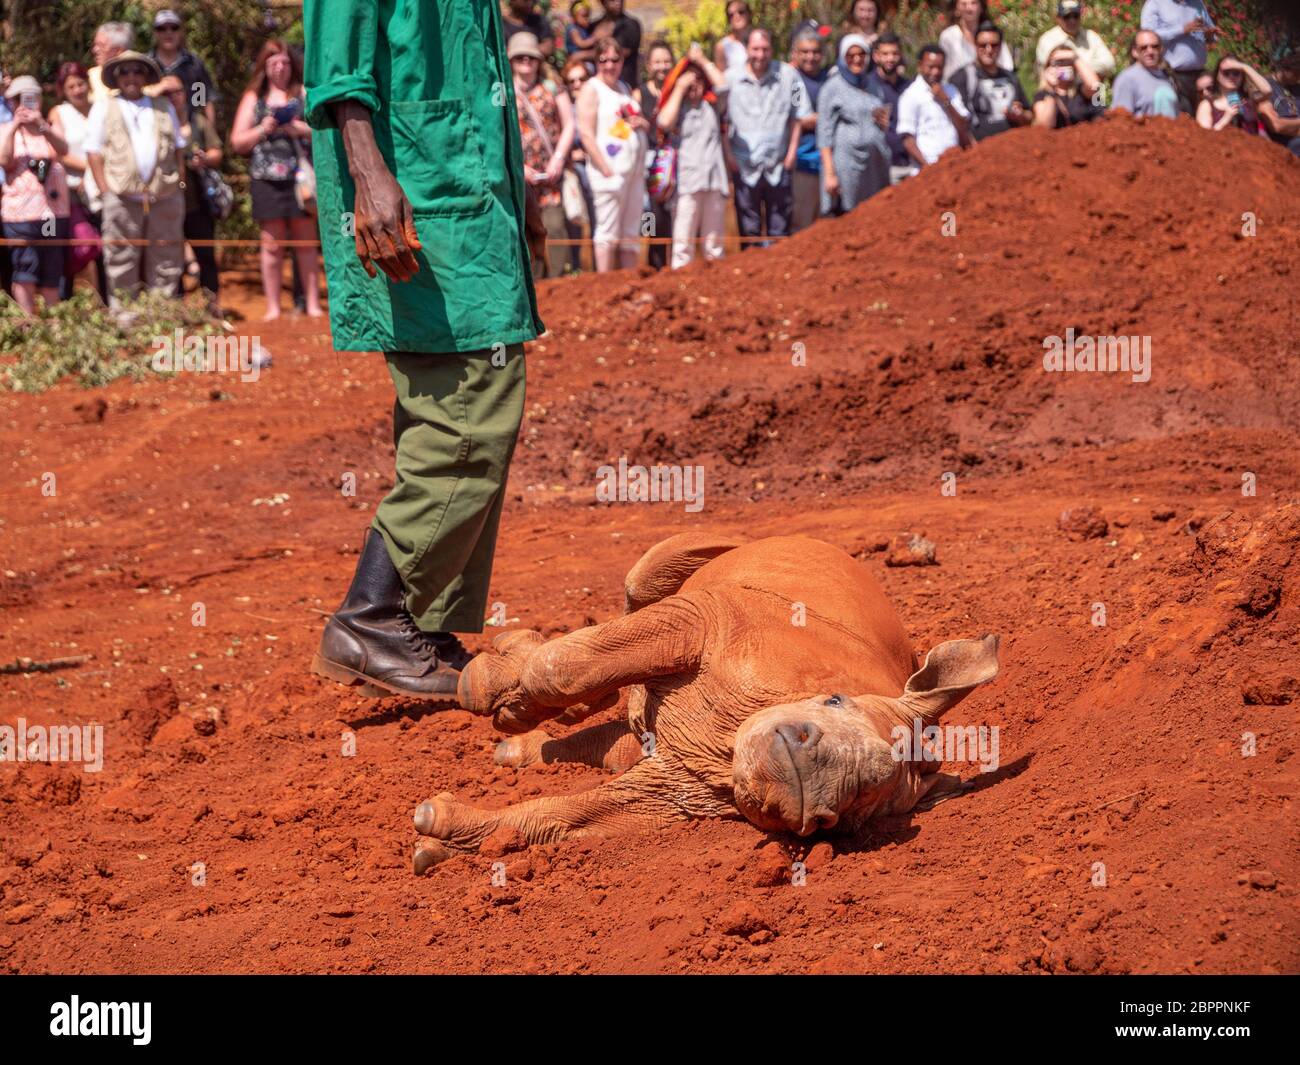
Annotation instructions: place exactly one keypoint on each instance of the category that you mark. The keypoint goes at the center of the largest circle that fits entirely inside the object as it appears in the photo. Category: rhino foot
(522, 750)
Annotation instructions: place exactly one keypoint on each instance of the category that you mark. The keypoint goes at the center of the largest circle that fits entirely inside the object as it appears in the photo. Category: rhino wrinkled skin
(763, 680)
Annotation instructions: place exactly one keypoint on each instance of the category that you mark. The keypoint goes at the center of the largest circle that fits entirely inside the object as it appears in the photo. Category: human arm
(383, 222)
(93, 144)
(906, 128)
(7, 131)
(245, 133)
(1258, 84)
(1164, 21)
(587, 129)
(670, 107)
(74, 163)
(1045, 112)
(1102, 58)
(568, 131)
(1089, 82)
(956, 112)
(712, 71)
(1275, 123)
(792, 145)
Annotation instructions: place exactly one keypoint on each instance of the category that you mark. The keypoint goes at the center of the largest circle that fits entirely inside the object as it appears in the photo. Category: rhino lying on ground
(765, 681)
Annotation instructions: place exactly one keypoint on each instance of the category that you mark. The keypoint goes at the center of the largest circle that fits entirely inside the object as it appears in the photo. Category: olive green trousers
(454, 428)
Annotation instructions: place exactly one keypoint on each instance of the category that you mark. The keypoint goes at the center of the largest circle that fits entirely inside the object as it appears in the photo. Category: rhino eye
(834, 700)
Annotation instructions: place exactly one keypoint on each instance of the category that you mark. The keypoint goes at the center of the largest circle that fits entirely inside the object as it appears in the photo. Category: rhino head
(803, 766)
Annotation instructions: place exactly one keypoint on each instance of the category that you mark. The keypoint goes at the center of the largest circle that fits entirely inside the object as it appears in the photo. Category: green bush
(80, 338)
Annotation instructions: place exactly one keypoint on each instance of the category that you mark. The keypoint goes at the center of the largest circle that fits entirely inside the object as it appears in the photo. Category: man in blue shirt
(1185, 30)
(807, 58)
(766, 105)
(886, 82)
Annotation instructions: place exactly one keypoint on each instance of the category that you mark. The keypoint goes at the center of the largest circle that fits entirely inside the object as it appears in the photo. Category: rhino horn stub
(951, 672)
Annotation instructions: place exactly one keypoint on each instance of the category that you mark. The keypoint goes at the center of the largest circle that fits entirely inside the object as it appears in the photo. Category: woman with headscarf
(851, 125)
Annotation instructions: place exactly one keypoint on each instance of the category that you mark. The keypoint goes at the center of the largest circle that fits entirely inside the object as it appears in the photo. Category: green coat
(435, 77)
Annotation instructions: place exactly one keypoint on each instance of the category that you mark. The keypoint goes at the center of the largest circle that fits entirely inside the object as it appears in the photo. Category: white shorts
(618, 212)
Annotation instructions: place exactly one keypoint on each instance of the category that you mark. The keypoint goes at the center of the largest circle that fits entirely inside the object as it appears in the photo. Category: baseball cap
(166, 17)
(1068, 7)
(524, 43)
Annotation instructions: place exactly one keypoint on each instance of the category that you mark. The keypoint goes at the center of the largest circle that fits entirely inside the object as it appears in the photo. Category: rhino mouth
(812, 814)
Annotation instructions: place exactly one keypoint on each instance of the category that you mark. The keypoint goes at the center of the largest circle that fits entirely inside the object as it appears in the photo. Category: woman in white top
(958, 40)
(613, 130)
(70, 119)
(730, 51)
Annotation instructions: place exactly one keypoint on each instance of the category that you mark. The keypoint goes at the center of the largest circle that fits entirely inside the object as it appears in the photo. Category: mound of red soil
(874, 346)
(250, 816)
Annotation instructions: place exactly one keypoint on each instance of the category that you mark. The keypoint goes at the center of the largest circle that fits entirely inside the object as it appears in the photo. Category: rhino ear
(951, 671)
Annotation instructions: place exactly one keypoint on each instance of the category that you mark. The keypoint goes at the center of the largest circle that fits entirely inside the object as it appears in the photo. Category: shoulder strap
(535, 120)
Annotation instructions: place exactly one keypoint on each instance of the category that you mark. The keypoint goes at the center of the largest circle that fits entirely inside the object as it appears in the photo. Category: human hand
(385, 226)
(881, 115)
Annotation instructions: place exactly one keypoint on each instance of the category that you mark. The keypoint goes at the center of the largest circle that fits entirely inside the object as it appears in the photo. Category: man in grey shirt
(1145, 88)
(766, 101)
(1185, 30)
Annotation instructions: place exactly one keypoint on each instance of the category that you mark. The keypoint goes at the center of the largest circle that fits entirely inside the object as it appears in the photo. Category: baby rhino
(764, 679)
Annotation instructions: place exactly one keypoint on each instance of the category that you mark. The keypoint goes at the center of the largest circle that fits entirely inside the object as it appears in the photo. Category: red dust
(827, 386)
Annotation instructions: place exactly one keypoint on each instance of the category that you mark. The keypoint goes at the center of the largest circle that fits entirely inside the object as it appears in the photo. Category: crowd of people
(655, 144)
(131, 154)
(620, 142)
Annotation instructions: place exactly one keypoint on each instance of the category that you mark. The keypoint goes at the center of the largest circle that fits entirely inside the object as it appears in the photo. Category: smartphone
(30, 100)
(1233, 98)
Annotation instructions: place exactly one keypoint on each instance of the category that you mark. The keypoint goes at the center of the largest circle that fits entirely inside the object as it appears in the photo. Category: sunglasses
(167, 29)
(1148, 47)
(132, 72)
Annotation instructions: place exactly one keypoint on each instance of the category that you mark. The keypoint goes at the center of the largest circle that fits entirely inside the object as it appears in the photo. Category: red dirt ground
(1119, 744)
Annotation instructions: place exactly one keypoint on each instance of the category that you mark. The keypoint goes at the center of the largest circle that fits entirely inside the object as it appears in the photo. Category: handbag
(575, 204)
(218, 195)
(661, 177)
(304, 182)
(87, 247)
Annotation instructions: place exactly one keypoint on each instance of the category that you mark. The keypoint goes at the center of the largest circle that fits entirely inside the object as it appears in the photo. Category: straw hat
(109, 72)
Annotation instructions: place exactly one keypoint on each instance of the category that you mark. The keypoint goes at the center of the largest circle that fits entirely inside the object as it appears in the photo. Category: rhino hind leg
(610, 746)
(653, 793)
(940, 787)
(663, 569)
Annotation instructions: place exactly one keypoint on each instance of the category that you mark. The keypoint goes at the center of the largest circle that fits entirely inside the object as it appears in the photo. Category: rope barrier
(564, 242)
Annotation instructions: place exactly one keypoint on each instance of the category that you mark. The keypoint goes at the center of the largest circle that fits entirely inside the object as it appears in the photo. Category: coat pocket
(438, 157)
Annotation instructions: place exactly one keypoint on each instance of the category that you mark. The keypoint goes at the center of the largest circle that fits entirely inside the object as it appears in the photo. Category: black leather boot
(373, 641)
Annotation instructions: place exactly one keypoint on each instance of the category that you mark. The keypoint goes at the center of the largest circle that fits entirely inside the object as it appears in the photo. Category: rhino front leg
(651, 794)
(531, 681)
(610, 746)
